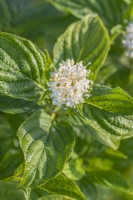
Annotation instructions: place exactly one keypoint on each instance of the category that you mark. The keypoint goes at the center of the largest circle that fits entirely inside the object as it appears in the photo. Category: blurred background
(43, 22)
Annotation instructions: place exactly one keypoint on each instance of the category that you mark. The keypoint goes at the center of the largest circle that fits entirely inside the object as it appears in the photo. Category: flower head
(128, 41)
(69, 84)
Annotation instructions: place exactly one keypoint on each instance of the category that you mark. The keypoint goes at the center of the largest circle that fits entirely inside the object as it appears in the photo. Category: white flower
(69, 84)
(128, 41)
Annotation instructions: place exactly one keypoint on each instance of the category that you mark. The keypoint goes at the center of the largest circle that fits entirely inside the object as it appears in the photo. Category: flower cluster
(128, 41)
(69, 84)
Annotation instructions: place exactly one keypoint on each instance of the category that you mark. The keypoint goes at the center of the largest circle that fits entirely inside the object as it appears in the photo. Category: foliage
(67, 153)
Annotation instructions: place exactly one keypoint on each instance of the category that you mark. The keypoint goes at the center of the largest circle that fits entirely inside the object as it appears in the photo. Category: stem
(131, 72)
(27, 193)
(54, 113)
(53, 116)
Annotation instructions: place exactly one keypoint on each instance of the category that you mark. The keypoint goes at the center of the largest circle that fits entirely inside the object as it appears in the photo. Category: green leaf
(85, 127)
(10, 190)
(11, 160)
(64, 186)
(13, 106)
(6, 132)
(109, 178)
(46, 145)
(116, 72)
(74, 169)
(56, 197)
(88, 188)
(15, 124)
(35, 193)
(10, 153)
(112, 100)
(86, 40)
(5, 15)
(126, 149)
(61, 188)
(115, 154)
(115, 32)
(33, 27)
(24, 73)
(111, 12)
(129, 12)
(107, 127)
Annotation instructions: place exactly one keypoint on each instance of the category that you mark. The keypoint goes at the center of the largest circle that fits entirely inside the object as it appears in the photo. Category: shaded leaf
(10, 190)
(88, 188)
(111, 12)
(109, 178)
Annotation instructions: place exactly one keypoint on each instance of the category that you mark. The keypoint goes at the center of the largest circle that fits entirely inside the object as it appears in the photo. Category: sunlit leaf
(24, 73)
(86, 40)
(112, 100)
(46, 146)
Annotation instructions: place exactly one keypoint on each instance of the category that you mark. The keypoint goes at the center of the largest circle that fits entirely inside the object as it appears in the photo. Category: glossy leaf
(24, 73)
(46, 146)
(112, 100)
(13, 106)
(64, 186)
(85, 126)
(86, 40)
(107, 127)
(60, 187)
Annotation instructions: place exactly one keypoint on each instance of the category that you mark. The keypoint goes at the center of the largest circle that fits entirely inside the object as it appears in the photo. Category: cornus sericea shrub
(63, 128)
